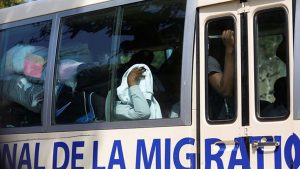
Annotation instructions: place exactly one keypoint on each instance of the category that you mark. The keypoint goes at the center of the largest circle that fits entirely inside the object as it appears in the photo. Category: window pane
(24, 52)
(151, 38)
(82, 67)
(271, 62)
(220, 70)
(97, 48)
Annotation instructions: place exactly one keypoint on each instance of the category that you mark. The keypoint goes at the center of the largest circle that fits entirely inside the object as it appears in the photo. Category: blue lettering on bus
(260, 153)
(209, 157)
(167, 153)
(36, 157)
(25, 157)
(244, 162)
(277, 154)
(66, 156)
(141, 151)
(292, 141)
(6, 155)
(95, 156)
(189, 156)
(148, 155)
(117, 147)
(76, 156)
(217, 157)
(291, 152)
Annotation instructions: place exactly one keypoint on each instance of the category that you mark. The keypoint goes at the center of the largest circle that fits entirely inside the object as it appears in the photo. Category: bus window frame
(255, 29)
(296, 92)
(42, 127)
(185, 118)
(230, 121)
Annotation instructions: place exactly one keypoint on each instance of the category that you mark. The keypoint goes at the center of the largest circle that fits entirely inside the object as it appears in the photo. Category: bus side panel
(129, 148)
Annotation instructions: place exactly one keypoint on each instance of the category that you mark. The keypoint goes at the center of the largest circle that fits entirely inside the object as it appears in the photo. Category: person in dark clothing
(279, 106)
(221, 80)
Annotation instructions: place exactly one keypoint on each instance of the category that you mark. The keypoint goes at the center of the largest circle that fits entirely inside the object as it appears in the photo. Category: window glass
(94, 77)
(23, 59)
(272, 63)
(148, 84)
(83, 67)
(220, 56)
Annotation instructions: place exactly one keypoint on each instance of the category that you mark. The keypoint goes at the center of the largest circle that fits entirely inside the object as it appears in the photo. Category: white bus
(109, 84)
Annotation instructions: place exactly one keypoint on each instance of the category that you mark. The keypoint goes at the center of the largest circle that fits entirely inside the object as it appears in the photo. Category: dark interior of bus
(272, 59)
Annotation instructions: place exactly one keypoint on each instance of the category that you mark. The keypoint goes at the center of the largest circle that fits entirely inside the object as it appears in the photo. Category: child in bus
(221, 79)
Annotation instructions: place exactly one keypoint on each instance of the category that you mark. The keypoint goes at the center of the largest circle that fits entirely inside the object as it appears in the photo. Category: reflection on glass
(97, 48)
(271, 54)
(152, 36)
(24, 52)
(83, 65)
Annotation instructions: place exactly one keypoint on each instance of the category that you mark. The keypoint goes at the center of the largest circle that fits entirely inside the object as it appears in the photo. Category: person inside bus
(281, 50)
(279, 106)
(221, 77)
(170, 76)
(144, 57)
(135, 96)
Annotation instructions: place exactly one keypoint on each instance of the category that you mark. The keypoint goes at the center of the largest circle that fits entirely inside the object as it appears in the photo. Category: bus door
(220, 110)
(270, 69)
(297, 69)
(249, 125)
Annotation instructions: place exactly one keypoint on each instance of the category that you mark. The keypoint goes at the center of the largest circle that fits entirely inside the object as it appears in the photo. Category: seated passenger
(279, 107)
(146, 57)
(140, 57)
(135, 96)
(263, 104)
(170, 76)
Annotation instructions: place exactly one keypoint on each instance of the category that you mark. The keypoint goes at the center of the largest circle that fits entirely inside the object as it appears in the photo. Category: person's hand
(135, 75)
(228, 39)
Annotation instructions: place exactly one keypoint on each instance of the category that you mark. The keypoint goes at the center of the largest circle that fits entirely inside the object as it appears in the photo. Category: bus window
(82, 67)
(271, 55)
(152, 33)
(220, 57)
(24, 51)
(95, 80)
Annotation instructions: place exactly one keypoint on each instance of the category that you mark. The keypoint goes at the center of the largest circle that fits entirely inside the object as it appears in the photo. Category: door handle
(259, 144)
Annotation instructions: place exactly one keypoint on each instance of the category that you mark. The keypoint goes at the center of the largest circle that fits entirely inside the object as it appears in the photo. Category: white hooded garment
(136, 95)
